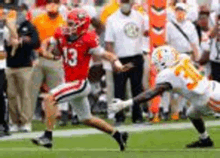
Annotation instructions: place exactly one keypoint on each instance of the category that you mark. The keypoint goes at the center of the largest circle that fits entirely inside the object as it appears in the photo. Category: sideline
(129, 128)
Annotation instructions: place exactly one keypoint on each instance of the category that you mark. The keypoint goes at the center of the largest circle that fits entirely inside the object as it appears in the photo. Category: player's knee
(49, 98)
(192, 114)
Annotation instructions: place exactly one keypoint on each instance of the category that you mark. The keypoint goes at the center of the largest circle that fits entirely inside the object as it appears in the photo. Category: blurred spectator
(3, 83)
(214, 5)
(19, 46)
(203, 29)
(182, 35)
(48, 70)
(191, 8)
(215, 49)
(124, 37)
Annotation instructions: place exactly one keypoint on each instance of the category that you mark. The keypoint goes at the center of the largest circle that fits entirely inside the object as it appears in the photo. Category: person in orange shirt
(49, 71)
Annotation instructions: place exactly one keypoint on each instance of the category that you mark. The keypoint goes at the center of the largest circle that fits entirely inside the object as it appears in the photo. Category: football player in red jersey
(77, 45)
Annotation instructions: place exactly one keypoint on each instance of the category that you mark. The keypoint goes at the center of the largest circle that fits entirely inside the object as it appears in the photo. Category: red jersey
(76, 56)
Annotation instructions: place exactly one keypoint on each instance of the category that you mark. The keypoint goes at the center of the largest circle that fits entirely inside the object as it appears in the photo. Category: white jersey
(187, 81)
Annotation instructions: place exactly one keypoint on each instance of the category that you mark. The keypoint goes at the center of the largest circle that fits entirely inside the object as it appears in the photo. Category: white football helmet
(164, 57)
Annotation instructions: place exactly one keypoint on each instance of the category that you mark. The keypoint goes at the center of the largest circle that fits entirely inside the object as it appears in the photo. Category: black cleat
(43, 141)
(121, 138)
(201, 143)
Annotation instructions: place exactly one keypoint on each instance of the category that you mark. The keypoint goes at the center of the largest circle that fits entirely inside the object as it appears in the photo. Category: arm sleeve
(93, 44)
(109, 32)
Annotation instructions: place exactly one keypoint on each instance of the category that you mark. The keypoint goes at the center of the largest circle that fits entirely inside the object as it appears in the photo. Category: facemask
(125, 7)
(72, 38)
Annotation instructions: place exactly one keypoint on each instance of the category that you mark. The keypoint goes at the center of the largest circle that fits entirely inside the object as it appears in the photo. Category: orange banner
(157, 19)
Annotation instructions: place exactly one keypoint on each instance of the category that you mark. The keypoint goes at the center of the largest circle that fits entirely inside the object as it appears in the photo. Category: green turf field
(151, 144)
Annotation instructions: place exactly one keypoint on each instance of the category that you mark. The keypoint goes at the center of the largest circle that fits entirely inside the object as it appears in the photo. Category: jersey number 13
(70, 56)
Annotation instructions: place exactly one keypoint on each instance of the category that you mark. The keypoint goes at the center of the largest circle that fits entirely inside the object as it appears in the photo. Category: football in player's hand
(56, 52)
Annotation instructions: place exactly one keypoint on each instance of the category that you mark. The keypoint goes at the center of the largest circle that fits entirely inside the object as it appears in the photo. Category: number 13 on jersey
(70, 56)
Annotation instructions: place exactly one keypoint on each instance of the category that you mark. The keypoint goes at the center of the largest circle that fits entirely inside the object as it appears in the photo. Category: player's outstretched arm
(118, 105)
(111, 57)
(149, 94)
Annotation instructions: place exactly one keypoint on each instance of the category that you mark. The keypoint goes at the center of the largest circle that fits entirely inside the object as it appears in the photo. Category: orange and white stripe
(214, 104)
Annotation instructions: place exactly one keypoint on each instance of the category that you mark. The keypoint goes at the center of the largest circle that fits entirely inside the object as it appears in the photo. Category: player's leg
(195, 115)
(165, 103)
(82, 108)
(50, 114)
(50, 104)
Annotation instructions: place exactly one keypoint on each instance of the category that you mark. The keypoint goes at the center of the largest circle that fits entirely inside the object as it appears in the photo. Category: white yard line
(129, 128)
(107, 150)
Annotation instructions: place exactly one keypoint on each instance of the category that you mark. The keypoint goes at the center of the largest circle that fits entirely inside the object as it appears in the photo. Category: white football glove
(115, 106)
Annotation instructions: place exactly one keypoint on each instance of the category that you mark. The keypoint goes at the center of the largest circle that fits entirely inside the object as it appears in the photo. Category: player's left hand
(115, 106)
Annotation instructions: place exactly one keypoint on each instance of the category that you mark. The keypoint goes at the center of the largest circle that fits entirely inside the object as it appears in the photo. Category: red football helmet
(78, 22)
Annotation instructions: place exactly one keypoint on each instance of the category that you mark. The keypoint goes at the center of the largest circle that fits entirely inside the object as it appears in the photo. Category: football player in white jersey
(177, 74)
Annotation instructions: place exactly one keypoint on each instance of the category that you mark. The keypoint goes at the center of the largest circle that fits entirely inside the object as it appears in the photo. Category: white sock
(204, 135)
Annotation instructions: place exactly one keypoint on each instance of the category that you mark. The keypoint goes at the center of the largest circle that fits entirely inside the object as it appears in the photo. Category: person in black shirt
(19, 71)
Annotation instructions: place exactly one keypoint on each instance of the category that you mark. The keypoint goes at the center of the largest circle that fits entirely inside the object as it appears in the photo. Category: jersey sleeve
(92, 41)
(167, 76)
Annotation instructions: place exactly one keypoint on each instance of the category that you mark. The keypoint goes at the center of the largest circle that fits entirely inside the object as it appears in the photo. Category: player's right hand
(127, 67)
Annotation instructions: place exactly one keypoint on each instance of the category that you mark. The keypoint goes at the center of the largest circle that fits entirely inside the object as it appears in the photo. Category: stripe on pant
(73, 92)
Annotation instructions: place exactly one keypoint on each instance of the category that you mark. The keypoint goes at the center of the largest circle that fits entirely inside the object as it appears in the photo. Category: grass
(152, 144)
(39, 126)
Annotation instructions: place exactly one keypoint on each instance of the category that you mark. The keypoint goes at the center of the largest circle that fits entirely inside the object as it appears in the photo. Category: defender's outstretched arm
(118, 105)
(149, 94)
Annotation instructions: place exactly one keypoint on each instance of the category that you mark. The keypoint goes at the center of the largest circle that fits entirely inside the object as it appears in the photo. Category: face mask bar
(72, 27)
